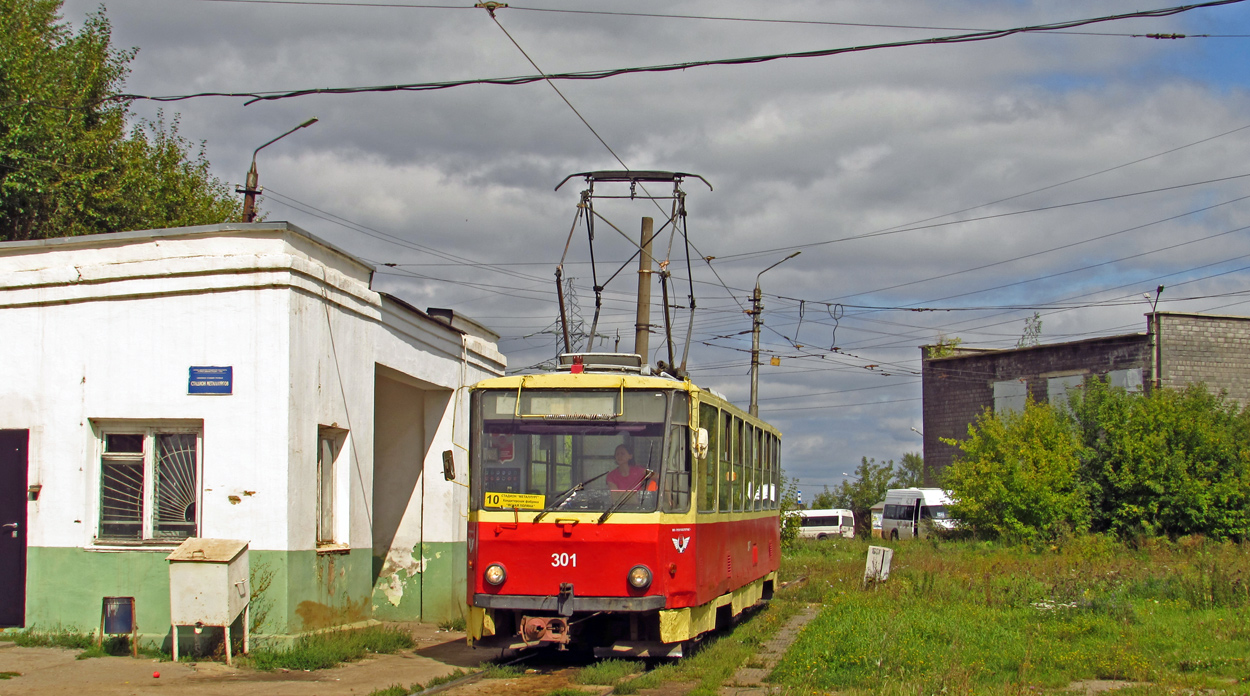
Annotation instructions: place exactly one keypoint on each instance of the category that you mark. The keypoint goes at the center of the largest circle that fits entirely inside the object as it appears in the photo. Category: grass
(75, 640)
(608, 672)
(494, 671)
(719, 656)
(398, 690)
(9, 675)
(456, 624)
(55, 638)
(324, 650)
(969, 617)
(118, 646)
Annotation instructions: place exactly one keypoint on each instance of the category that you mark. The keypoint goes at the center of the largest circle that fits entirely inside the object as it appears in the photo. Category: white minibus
(823, 524)
(914, 512)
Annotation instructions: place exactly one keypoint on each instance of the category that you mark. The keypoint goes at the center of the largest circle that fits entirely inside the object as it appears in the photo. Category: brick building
(1191, 348)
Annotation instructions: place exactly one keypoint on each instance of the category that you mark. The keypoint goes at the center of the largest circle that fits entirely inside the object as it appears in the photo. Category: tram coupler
(565, 599)
(545, 629)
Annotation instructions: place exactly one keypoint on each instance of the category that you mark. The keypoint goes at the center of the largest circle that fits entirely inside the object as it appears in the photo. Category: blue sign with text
(211, 380)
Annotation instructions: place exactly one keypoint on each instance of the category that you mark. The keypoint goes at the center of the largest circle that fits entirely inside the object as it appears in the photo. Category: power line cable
(660, 15)
(253, 97)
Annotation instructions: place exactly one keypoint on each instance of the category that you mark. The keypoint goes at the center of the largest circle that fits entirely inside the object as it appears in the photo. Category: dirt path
(57, 672)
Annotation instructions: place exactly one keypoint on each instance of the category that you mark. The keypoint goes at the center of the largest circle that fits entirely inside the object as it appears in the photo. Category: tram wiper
(616, 506)
(570, 491)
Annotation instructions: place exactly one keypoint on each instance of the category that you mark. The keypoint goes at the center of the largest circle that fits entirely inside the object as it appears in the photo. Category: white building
(234, 382)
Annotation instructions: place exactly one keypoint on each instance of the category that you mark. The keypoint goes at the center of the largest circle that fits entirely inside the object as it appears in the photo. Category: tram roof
(584, 380)
(600, 380)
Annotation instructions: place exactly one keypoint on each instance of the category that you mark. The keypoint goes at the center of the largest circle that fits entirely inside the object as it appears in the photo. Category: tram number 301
(563, 560)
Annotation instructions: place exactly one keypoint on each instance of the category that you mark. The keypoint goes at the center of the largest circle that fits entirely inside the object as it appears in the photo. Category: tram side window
(749, 469)
(739, 478)
(757, 465)
(676, 484)
(776, 448)
(766, 470)
(677, 471)
(725, 473)
(707, 466)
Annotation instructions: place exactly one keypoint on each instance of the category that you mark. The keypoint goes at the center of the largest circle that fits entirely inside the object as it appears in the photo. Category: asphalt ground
(57, 671)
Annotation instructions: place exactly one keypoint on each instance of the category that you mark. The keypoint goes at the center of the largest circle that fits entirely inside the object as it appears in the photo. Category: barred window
(149, 484)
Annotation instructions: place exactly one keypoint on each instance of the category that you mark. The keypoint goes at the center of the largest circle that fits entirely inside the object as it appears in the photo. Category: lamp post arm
(305, 124)
(757, 311)
(251, 188)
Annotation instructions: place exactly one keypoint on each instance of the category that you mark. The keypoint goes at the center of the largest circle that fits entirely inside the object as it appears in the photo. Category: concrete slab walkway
(749, 681)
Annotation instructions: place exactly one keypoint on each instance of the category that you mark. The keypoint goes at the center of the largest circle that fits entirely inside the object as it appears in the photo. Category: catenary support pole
(642, 325)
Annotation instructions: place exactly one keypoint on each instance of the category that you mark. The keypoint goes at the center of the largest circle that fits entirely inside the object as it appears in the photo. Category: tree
(910, 473)
(944, 347)
(1032, 332)
(824, 500)
(791, 522)
(1019, 476)
(68, 165)
(871, 482)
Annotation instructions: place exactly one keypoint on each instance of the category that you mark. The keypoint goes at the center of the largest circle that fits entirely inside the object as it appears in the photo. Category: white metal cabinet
(208, 586)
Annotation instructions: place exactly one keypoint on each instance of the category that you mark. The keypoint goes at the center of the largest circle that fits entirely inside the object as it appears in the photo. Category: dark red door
(13, 527)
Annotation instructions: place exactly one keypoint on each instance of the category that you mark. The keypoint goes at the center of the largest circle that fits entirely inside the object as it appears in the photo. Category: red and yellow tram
(572, 544)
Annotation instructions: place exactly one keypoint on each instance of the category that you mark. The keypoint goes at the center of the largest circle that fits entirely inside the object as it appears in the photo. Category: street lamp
(250, 189)
(757, 312)
(914, 430)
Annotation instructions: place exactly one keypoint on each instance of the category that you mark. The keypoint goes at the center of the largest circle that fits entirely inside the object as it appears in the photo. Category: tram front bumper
(572, 604)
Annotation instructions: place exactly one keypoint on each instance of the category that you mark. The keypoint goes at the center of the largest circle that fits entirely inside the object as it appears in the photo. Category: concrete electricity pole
(642, 324)
(250, 189)
(757, 320)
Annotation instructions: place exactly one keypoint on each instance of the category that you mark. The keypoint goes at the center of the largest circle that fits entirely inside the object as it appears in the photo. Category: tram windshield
(580, 450)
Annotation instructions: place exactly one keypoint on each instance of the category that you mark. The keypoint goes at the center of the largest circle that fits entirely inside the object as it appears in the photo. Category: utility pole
(757, 320)
(1153, 328)
(642, 325)
(250, 189)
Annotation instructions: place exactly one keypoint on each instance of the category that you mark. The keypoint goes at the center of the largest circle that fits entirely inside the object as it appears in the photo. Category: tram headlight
(495, 574)
(640, 577)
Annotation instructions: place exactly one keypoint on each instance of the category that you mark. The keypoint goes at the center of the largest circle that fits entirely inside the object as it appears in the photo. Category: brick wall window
(1010, 396)
(1059, 389)
(1128, 380)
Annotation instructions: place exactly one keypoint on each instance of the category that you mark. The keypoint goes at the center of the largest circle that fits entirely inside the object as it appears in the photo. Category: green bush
(1019, 476)
(1173, 463)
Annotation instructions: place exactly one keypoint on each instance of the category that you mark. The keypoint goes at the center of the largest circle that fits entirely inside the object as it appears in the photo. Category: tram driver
(628, 477)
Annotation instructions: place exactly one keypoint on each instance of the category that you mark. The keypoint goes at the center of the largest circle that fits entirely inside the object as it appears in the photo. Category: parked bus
(914, 512)
(823, 524)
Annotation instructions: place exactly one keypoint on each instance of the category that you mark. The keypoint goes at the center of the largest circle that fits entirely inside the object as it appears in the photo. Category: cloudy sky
(1065, 173)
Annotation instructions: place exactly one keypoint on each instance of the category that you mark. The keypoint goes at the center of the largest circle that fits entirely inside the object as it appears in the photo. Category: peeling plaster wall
(398, 455)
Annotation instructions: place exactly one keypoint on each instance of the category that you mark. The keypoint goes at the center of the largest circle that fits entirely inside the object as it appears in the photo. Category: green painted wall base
(429, 586)
(294, 592)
